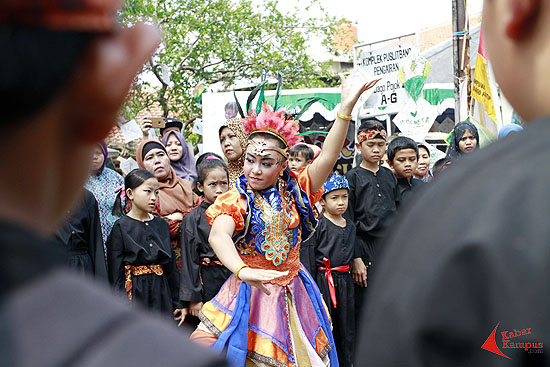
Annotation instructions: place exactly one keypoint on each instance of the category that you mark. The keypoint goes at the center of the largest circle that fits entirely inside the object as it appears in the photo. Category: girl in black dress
(202, 274)
(140, 257)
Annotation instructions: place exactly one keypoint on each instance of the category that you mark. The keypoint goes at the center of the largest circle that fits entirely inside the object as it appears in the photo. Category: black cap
(171, 122)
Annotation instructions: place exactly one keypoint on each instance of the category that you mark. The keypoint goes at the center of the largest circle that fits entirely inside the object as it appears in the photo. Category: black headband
(150, 146)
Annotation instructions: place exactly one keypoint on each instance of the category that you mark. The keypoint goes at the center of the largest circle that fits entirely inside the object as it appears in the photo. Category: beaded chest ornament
(277, 237)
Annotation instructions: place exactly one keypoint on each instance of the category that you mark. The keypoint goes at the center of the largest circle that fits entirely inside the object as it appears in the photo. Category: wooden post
(461, 53)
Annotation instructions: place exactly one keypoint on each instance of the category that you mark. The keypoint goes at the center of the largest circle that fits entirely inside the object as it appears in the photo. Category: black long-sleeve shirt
(80, 235)
(406, 189)
(373, 199)
(333, 242)
(195, 231)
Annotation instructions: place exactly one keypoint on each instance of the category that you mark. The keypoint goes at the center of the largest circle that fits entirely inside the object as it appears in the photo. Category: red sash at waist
(328, 275)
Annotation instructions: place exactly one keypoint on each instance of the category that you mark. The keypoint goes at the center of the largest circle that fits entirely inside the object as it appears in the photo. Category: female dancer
(257, 229)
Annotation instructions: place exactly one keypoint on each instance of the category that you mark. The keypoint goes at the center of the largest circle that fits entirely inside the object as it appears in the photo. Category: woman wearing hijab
(104, 183)
(181, 158)
(233, 141)
(465, 139)
(176, 198)
(422, 171)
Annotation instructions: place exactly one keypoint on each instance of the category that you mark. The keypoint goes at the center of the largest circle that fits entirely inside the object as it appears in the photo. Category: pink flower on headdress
(276, 121)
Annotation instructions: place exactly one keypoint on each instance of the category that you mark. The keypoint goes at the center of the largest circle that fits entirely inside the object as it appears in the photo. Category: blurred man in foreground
(66, 69)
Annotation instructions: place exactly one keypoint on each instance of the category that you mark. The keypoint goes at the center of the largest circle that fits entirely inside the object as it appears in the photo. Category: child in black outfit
(141, 260)
(300, 156)
(334, 246)
(373, 198)
(202, 274)
(403, 159)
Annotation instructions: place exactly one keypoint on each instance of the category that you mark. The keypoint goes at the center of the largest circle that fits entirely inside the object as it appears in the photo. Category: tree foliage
(215, 42)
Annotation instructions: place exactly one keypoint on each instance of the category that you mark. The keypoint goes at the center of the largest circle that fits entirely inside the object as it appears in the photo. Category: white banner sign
(416, 119)
(389, 95)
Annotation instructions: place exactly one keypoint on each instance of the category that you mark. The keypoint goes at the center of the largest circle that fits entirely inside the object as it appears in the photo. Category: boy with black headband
(373, 198)
(67, 67)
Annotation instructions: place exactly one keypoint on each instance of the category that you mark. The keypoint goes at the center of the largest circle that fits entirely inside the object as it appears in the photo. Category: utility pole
(461, 53)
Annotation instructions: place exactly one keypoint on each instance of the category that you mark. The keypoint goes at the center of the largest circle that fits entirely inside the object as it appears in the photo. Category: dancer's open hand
(256, 277)
(350, 92)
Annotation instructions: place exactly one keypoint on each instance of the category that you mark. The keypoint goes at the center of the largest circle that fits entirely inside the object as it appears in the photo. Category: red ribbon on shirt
(328, 275)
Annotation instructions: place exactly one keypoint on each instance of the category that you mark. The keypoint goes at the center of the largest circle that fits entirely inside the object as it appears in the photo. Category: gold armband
(238, 270)
(344, 117)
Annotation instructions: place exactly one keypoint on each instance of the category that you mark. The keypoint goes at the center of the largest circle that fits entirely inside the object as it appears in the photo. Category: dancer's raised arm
(322, 166)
